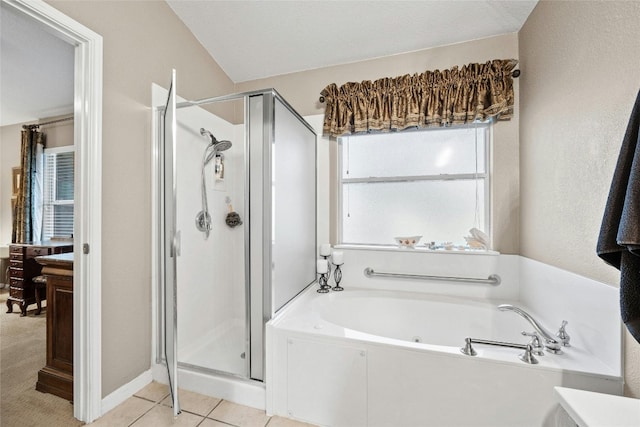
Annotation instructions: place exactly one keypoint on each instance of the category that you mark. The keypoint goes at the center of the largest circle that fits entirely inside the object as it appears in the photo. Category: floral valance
(433, 98)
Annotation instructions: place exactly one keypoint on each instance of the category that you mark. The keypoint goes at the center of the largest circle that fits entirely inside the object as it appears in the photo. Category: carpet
(22, 355)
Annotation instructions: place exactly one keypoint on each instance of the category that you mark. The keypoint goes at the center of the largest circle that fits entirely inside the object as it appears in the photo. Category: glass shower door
(171, 243)
(239, 228)
(210, 271)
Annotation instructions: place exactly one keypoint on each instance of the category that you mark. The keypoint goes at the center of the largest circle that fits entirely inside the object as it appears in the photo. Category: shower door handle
(176, 244)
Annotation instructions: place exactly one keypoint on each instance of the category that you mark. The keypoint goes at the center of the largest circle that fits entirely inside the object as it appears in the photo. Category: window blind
(58, 193)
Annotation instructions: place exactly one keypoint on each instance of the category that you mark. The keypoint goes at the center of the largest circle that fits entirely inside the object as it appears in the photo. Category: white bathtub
(381, 358)
(430, 319)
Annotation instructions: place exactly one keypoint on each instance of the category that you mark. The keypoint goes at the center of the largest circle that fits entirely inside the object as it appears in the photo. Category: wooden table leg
(40, 284)
(38, 300)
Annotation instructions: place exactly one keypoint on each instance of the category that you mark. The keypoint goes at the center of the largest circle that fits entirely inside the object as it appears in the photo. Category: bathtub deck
(300, 318)
(327, 374)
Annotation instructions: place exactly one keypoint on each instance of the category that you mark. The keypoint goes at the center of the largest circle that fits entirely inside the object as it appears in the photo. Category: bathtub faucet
(552, 344)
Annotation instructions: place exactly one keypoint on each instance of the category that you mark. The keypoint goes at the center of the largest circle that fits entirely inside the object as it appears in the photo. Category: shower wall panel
(282, 182)
(211, 306)
(294, 205)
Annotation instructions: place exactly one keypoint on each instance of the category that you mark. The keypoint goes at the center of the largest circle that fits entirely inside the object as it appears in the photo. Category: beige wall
(580, 76)
(143, 41)
(58, 135)
(302, 90)
(9, 158)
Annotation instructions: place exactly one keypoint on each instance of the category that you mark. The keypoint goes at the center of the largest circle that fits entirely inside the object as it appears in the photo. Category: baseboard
(244, 392)
(126, 391)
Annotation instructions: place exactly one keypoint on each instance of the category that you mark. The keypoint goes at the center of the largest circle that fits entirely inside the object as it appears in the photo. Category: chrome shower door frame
(257, 231)
(169, 236)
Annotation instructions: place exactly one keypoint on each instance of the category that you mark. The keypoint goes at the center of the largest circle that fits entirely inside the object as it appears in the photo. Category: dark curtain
(433, 98)
(22, 220)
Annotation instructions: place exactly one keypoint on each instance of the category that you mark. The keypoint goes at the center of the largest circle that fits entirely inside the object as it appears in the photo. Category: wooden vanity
(57, 376)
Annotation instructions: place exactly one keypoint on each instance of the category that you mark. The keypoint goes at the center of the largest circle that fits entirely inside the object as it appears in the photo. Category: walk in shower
(236, 228)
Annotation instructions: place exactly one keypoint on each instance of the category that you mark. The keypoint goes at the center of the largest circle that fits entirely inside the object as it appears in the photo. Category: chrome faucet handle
(562, 334)
(528, 356)
(536, 346)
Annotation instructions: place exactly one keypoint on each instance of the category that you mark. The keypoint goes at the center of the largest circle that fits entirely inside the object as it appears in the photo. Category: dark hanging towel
(619, 240)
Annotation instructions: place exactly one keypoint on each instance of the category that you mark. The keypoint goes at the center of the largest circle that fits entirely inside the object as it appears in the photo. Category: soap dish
(407, 242)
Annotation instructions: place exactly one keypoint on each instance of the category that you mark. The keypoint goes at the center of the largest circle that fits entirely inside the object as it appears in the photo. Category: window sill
(424, 250)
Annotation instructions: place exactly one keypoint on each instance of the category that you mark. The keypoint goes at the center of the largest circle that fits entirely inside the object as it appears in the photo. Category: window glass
(58, 192)
(63, 220)
(429, 183)
(64, 176)
(423, 152)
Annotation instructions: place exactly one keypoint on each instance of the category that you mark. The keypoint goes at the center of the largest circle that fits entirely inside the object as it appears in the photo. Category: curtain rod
(37, 125)
(515, 74)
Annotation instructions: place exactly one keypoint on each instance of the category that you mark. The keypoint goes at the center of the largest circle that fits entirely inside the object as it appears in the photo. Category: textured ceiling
(257, 39)
(36, 70)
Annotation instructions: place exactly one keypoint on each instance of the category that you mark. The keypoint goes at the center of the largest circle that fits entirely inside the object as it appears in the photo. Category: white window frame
(487, 127)
(55, 202)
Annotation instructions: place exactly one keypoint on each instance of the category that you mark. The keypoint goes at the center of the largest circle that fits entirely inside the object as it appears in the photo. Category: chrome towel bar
(493, 280)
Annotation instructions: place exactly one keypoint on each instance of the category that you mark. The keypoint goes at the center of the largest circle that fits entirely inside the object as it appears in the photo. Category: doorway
(87, 113)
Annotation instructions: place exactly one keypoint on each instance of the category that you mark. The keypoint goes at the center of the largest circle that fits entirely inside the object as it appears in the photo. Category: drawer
(16, 256)
(16, 249)
(16, 272)
(33, 252)
(14, 263)
(16, 292)
(16, 283)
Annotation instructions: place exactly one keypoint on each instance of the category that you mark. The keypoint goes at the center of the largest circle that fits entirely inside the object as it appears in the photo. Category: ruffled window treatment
(433, 98)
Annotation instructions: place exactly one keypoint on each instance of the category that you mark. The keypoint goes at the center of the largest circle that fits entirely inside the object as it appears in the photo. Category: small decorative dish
(474, 243)
(407, 242)
(477, 240)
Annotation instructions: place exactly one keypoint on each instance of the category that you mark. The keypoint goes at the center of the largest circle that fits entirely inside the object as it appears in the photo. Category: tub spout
(551, 343)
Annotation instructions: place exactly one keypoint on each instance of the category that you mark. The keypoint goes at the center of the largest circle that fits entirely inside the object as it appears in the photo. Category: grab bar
(526, 357)
(493, 280)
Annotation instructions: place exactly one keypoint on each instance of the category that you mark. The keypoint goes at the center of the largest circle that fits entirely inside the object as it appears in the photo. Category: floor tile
(125, 413)
(238, 415)
(286, 422)
(208, 422)
(154, 392)
(162, 416)
(195, 403)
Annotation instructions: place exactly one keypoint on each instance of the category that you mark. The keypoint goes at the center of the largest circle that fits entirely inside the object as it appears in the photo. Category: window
(428, 182)
(58, 192)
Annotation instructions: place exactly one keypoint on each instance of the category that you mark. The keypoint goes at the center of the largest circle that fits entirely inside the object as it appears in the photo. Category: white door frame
(87, 308)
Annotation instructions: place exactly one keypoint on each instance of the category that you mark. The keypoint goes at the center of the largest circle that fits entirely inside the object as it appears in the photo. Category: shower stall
(235, 232)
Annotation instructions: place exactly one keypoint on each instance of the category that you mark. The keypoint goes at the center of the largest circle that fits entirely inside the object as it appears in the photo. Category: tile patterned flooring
(151, 407)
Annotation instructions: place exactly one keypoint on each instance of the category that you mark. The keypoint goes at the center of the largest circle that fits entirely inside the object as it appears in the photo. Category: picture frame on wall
(16, 180)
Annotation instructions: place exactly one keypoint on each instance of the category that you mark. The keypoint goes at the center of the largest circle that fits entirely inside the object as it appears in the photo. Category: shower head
(217, 145)
(214, 147)
(222, 145)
